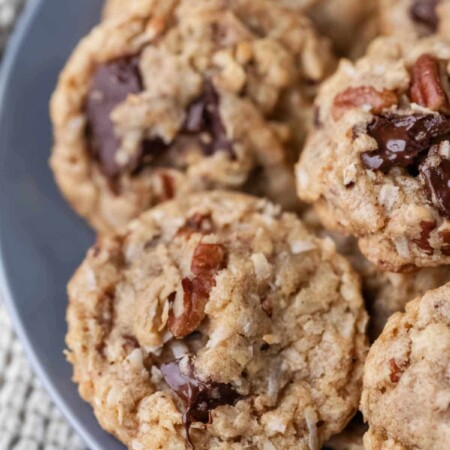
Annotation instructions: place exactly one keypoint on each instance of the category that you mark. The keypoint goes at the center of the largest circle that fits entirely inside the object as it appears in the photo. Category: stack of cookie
(217, 309)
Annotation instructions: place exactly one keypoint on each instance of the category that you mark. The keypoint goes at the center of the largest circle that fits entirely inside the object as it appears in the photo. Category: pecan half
(429, 82)
(355, 97)
(208, 259)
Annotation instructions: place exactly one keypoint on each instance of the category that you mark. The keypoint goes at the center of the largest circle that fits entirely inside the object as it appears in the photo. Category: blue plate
(41, 240)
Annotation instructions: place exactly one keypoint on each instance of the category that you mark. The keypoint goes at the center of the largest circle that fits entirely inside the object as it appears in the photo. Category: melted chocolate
(203, 120)
(401, 139)
(111, 85)
(199, 397)
(424, 12)
(436, 173)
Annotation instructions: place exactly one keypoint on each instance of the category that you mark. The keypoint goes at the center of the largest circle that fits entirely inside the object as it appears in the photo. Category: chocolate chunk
(401, 139)
(424, 12)
(203, 120)
(199, 397)
(112, 83)
(435, 171)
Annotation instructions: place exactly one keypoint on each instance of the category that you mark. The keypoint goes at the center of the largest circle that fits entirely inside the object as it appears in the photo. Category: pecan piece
(355, 97)
(423, 241)
(396, 372)
(429, 81)
(208, 259)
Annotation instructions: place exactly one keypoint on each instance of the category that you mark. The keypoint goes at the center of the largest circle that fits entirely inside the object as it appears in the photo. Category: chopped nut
(423, 242)
(428, 84)
(363, 97)
(207, 260)
(396, 372)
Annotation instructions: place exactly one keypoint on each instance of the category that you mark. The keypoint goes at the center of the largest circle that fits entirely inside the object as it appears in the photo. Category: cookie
(221, 320)
(350, 24)
(406, 392)
(341, 20)
(377, 164)
(385, 293)
(184, 96)
(414, 18)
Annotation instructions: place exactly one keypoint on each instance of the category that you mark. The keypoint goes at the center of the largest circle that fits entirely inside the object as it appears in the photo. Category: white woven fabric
(28, 419)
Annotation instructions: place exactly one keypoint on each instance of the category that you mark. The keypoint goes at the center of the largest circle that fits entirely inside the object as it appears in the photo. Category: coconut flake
(179, 349)
(444, 149)
(402, 246)
(349, 174)
(388, 195)
(311, 422)
(299, 246)
(136, 359)
(261, 265)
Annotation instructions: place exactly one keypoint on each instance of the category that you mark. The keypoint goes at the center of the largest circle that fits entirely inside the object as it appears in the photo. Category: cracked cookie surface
(379, 168)
(220, 316)
(406, 395)
(181, 96)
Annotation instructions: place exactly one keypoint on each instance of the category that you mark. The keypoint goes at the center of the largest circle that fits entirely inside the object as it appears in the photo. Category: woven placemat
(28, 419)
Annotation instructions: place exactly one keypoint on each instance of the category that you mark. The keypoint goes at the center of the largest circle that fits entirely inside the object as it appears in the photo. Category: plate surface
(41, 240)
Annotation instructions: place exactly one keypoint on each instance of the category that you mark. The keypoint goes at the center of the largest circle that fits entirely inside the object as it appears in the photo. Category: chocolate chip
(401, 139)
(424, 12)
(435, 171)
(199, 397)
(424, 241)
(111, 85)
(204, 120)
